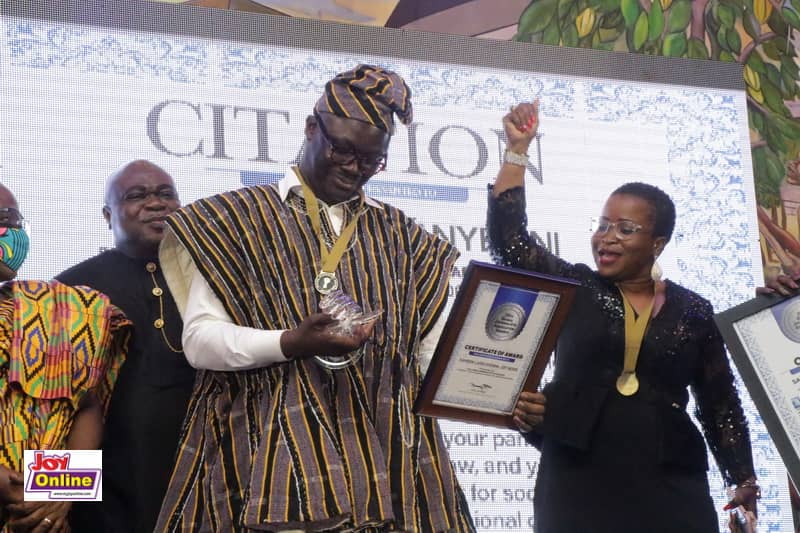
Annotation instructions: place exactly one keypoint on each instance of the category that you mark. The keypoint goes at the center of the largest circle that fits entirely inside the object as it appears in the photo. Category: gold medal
(627, 383)
(326, 282)
(635, 328)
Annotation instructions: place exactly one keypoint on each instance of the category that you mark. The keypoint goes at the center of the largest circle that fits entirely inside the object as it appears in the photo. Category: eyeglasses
(624, 229)
(12, 218)
(367, 164)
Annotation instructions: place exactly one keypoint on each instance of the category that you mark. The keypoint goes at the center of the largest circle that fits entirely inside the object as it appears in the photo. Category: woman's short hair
(663, 207)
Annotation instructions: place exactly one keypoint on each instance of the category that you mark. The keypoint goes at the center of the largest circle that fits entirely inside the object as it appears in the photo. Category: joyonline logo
(66, 475)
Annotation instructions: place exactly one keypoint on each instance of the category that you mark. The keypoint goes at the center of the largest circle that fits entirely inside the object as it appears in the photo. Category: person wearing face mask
(61, 349)
(152, 394)
(276, 439)
(619, 451)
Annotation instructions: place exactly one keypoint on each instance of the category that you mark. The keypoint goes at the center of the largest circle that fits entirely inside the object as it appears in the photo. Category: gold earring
(655, 270)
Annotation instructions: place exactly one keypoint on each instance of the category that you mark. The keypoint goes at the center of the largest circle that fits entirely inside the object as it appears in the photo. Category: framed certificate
(763, 338)
(495, 344)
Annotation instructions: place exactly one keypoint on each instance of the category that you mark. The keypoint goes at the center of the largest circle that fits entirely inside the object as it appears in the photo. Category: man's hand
(10, 486)
(521, 125)
(529, 411)
(39, 517)
(315, 336)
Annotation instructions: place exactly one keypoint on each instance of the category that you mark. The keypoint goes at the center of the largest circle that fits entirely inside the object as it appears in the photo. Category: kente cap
(369, 94)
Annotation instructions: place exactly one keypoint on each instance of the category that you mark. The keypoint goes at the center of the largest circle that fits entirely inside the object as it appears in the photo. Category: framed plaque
(495, 344)
(763, 338)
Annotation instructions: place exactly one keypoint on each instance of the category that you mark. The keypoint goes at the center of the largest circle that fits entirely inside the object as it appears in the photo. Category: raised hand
(521, 124)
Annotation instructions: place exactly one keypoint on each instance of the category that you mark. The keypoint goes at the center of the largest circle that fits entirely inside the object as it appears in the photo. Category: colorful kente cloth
(57, 343)
(293, 446)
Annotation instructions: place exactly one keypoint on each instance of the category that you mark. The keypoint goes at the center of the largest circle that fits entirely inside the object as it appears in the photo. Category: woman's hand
(749, 525)
(746, 494)
(529, 411)
(39, 517)
(521, 125)
(783, 284)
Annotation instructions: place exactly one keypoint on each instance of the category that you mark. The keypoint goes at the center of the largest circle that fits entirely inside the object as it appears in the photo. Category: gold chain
(158, 292)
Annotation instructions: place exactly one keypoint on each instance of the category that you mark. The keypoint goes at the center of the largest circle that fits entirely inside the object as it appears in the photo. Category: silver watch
(513, 158)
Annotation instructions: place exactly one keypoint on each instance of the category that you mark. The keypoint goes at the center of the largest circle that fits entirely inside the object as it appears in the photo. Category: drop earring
(655, 270)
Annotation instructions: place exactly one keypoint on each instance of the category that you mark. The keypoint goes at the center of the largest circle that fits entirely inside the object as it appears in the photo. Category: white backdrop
(77, 102)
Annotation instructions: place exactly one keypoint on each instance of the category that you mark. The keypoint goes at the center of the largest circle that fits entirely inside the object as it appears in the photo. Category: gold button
(157, 291)
(159, 323)
(150, 267)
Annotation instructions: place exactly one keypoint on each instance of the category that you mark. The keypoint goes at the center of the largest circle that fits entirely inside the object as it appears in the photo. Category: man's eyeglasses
(12, 218)
(624, 229)
(367, 164)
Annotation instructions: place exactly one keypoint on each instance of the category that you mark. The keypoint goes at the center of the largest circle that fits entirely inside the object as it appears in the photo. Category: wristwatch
(513, 158)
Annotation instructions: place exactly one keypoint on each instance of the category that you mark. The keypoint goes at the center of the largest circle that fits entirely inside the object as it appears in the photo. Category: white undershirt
(211, 340)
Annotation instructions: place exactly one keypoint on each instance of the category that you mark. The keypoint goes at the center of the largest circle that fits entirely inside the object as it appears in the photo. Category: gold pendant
(627, 383)
(326, 282)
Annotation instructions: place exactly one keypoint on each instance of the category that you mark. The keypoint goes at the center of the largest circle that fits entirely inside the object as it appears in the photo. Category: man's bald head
(132, 171)
(7, 198)
(138, 198)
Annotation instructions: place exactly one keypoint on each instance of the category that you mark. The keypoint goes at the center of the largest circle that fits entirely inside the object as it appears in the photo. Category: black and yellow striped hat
(369, 94)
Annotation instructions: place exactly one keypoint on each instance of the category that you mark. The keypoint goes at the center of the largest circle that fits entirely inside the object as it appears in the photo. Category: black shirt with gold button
(150, 400)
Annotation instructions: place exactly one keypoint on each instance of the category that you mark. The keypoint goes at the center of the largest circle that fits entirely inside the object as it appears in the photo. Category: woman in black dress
(619, 451)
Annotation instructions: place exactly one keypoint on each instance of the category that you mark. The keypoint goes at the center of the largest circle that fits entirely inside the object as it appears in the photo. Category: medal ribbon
(330, 258)
(634, 334)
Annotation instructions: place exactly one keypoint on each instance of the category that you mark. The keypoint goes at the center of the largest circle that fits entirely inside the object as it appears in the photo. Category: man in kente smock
(274, 441)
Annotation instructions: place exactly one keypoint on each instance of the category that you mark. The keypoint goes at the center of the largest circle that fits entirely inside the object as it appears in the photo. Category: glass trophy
(350, 316)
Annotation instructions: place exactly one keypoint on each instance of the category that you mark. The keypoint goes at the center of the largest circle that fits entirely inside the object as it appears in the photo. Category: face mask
(14, 244)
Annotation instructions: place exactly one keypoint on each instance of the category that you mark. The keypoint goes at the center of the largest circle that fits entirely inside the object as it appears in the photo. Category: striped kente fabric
(293, 446)
(369, 94)
(57, 343)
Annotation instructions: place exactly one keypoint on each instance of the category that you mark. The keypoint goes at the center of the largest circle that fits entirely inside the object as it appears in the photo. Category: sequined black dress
(627, 464)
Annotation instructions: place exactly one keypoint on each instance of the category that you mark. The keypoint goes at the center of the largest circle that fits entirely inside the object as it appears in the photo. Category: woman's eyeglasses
(623, 229)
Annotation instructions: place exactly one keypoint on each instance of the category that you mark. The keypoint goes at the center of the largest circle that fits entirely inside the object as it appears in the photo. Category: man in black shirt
(152, 393)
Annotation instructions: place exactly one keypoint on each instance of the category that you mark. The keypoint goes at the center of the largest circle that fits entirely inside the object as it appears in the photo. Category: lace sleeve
(509, 241)
(719, 411)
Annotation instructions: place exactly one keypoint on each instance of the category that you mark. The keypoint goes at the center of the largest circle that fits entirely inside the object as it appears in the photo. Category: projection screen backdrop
(219, 99)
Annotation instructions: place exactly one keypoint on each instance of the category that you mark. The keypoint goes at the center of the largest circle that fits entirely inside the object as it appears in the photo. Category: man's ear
(311, 126)
(107, 215)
